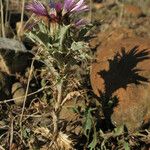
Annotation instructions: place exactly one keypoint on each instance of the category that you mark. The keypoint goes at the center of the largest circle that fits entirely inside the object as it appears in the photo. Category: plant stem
(59, 91)
(57, 107)
(59, 95)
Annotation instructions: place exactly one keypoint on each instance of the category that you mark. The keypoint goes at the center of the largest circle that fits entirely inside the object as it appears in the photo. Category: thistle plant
(59, 35)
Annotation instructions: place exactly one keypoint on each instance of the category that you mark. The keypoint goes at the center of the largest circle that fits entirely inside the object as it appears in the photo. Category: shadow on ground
(122, 72)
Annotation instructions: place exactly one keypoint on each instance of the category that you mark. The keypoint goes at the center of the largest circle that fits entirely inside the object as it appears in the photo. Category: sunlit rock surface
(122, 70)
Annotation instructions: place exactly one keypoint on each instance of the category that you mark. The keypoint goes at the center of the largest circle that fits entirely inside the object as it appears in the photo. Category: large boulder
(122, 70)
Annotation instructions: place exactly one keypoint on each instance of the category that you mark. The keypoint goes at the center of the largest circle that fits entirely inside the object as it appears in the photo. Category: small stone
(98, 5)
(17, 91)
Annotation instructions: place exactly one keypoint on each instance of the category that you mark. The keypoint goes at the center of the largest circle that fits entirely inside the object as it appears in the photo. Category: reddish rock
(132, 10)
(111, 35)
(98, 5)
(124, 73)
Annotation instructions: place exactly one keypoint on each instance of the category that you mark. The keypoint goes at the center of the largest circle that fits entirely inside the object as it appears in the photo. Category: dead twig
(33, 93)
(2, 20)
(21, 25)
(70, 96)
(26, 93)
(11, 132)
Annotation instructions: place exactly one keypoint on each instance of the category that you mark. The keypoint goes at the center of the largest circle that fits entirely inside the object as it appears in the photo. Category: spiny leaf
(62, 35)
(94, 141)
(88, 122)
(119, 130)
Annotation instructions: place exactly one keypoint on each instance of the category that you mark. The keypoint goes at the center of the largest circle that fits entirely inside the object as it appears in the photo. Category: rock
(18, 90)
(132, 10)
(98, 5)
(3, 125)
(122, 70)
(110, 36)
(13, 56)
(6, 43)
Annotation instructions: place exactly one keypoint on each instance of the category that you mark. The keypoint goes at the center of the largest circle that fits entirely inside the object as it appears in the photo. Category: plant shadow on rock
(122, 72)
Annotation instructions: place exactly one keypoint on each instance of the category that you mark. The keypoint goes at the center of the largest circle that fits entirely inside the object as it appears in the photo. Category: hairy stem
(59, 91)
(57, 106)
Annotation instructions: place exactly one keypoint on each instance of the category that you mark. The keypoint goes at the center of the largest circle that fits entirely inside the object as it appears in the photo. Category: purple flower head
(55, 12)
(58, 7)
(58, 12)
(69, 5)
(73, 6)
(40, 10)
(37, 8)
(80, 7)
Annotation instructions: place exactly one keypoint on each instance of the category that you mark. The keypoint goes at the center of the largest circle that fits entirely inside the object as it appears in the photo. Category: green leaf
(80, 50)
(83, 32)
(94, 141)
(44, 38)
(62, 35)
(76, 46)
(43, 28)
(32, 35)
(35, 38)
(26, 133)
(43, 82)
(41, 38)
(88, 122)
(75, 110)
(119, 130)
(126, 146)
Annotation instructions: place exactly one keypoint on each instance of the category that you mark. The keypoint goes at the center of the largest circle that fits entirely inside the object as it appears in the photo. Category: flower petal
(69, 5)
(37, 8)
(80, 22)
(58, 7)
(80, 7)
